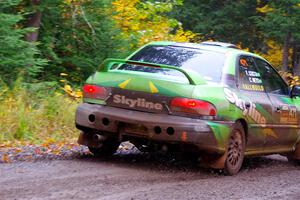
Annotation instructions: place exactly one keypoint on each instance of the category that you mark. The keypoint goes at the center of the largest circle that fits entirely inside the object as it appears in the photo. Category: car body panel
(208, 136)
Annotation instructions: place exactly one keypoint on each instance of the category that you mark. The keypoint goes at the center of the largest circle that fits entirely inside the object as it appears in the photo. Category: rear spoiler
(110, 62)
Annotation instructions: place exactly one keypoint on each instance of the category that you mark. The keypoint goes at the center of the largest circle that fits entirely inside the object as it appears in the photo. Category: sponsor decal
(253, 87)
(136, 103)
(153, 89)
(288, 114)
(248, 108)
(244, 62)
(124, 83)
(254, 81)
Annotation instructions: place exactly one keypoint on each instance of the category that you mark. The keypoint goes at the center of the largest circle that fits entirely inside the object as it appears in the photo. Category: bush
(36, 112)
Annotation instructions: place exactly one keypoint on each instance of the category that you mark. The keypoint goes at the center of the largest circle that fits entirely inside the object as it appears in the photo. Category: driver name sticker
(255, 80)
(252, 73)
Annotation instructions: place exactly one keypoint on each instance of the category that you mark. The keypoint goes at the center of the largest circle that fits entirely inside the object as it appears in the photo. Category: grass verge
(35, 114)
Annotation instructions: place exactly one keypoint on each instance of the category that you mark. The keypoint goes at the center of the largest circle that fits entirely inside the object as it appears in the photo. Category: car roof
(220, 47)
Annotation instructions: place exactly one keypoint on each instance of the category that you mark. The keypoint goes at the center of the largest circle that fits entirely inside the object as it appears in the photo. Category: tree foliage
(278, 18)
(77, 35)
(146, 21)
(272, 51)
(16, 55)
(279, 21)
(74, 36)
(228, 21)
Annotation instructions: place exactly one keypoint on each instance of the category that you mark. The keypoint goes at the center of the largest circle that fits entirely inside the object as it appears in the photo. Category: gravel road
(132, 175)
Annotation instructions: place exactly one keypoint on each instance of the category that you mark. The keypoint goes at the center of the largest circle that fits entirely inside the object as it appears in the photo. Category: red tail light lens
(193, 106)
(94, 92)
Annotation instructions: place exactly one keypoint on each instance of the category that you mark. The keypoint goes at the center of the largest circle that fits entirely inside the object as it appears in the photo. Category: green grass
(36, 113)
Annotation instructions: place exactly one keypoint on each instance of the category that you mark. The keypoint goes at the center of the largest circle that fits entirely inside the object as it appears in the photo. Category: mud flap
(214, 161)
(296, 154)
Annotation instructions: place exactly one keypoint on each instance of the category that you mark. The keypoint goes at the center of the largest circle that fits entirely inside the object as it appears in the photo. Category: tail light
(193, 106)
(94, 92)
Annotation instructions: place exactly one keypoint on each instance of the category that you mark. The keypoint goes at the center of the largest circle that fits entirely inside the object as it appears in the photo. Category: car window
(209, 64)
(272, 81)
(248, 77)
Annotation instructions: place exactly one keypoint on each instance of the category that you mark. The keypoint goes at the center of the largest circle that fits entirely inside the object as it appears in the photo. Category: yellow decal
(152, 87)
(269, 132)
(253, 87)
(124, 84)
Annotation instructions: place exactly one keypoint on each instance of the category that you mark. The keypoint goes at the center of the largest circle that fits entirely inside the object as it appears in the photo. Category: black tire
(293, 161)
(294, 157)
(236, 150)
(108, 148)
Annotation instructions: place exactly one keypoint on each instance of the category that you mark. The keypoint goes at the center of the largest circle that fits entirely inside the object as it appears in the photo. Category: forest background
(49, 47)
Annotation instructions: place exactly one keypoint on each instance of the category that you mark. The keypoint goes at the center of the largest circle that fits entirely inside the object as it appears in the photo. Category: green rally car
(209, 98)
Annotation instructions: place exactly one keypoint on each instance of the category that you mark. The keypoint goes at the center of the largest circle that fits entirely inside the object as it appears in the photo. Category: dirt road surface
(143, 176)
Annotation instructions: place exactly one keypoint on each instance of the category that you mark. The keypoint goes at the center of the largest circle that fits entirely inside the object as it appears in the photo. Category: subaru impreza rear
(165, 95)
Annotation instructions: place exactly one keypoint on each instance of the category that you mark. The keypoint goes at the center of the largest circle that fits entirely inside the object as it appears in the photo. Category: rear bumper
(157, 127)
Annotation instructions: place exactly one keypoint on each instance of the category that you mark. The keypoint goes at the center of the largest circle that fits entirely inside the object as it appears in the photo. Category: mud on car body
(210, 98)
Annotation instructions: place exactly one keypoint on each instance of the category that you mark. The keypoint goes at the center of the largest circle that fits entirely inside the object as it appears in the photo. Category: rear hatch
(148, 92)
(161, 79)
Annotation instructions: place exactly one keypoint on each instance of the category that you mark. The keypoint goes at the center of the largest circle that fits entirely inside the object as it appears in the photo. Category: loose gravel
(53, 152)
(69, 171)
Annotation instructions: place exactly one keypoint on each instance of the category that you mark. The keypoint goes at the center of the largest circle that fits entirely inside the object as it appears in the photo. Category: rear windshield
(208, 64)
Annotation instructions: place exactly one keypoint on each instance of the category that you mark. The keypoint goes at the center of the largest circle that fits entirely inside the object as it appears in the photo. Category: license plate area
(135, 129)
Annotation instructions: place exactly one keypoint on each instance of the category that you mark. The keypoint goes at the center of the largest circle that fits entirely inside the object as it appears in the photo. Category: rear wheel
(294, 157)
(236, 150)
(294, 161)
(107, 148)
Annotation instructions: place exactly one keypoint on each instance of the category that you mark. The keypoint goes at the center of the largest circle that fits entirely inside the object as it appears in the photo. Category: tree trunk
(294, 49)
(285, 52)
(296, 59)
(34, 21)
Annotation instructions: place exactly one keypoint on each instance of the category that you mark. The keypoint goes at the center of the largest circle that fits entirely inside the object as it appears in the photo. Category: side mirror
(295, 92)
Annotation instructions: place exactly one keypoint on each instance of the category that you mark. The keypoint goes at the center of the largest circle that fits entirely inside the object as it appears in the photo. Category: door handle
(247, 105)
(282, 108)
(278, 109)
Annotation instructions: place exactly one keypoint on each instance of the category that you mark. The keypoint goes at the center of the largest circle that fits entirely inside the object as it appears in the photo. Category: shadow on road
(181, 163)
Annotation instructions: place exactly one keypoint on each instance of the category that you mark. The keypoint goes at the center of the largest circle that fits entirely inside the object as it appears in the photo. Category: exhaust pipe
(99, 138)
(164, 148)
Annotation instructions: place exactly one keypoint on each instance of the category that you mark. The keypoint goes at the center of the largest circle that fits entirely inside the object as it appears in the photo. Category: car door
(284, 110)
(259, 107)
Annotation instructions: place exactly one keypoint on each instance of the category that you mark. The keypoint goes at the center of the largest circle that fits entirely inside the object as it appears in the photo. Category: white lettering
(247, 111)
(229, 95)
(117, 99)
(139, 102)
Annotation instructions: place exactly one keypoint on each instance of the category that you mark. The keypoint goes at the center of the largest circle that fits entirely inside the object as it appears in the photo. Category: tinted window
(272, 81)
(249, 76)
(207, 63)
